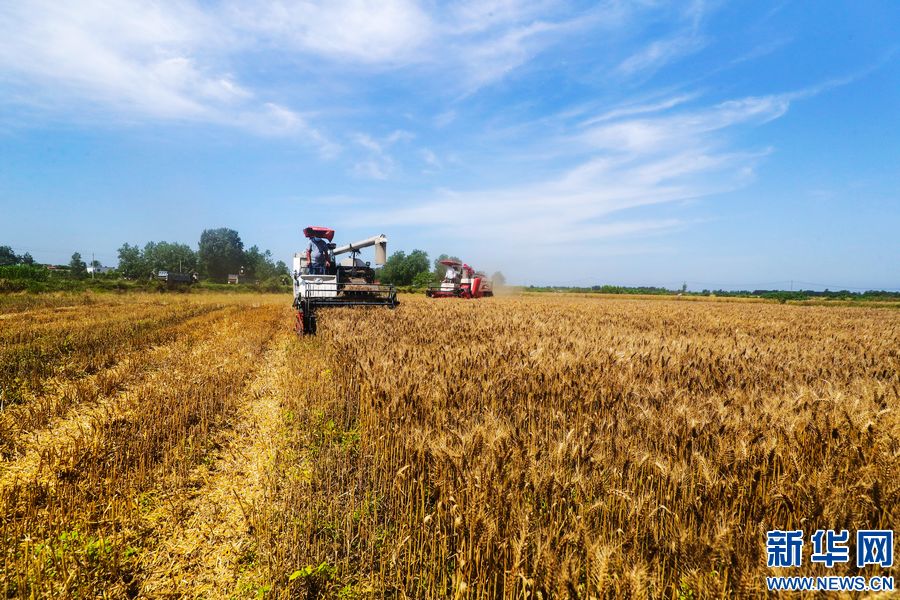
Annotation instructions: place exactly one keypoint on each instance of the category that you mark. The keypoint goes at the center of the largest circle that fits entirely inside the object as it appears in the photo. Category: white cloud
(128, 56)
(639, 109)
(278, 121)
(474, 16)
(399, 135)
(478, 43)
(684, 40)
(127, 61)
(445, 118)
(485, 62)
(430, 159)
(688, 128)
(374, 168)
(378, 162)
(660, 53)
(366, 31)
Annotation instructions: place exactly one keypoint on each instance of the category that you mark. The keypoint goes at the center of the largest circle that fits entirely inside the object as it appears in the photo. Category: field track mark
(206, 547)
(25, 465)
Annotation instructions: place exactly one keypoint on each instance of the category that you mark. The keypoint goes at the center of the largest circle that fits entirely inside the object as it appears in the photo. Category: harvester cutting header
(321, 281)
(461, 281)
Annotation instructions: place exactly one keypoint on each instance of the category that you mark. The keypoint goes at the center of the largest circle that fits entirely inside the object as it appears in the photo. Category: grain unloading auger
(320, 281)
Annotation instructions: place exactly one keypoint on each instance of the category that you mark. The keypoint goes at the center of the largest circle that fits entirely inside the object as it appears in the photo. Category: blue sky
(726, 144)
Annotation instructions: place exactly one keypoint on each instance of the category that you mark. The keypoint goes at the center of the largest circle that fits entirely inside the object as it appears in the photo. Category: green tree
(8, 257)
(260, 265)
(221, 252)
(416, 263)
(131, 263)
(165, 256)
(77, 267)
(498, 279)
(391, 271)
(423, 279)
(26, 259)
(402, 269)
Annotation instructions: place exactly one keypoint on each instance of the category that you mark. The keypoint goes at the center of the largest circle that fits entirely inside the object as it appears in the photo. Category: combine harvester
(461, 281)
(320, 281)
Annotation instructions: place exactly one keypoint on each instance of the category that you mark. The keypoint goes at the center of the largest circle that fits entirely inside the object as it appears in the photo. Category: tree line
(220, 252)
(9, 258)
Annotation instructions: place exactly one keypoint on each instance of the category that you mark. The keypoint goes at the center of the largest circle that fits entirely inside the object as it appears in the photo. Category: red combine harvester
(461, 281)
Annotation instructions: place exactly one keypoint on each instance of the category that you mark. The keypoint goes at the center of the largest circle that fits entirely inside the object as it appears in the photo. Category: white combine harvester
(350, 282)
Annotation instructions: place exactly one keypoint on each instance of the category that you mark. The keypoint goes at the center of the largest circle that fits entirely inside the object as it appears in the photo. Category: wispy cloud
(630, 159)
(685, 40)
(377, 162)
(127, 61)
(431, 160)
(660, 53)
(639, 109)
(485, 62)
(687, 129)
(365, 31)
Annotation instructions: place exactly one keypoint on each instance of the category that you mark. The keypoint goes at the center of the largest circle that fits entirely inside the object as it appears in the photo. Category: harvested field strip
(75, 527)
(84, 347)
(12, 304)
(207, 547)
(55, 325)
(62, 393)
(299, 525)
(54, 313)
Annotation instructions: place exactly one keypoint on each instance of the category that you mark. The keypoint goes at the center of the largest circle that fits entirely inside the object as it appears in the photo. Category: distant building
(99, 270)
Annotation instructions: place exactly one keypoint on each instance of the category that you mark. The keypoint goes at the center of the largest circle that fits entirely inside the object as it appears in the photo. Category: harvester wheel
(309, 323)
(305, 323)
(298, 322)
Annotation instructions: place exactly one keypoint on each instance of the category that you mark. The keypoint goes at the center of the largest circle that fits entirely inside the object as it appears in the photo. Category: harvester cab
(322, 280)
(461, 281)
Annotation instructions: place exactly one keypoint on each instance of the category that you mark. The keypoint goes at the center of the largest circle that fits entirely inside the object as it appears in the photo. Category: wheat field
(538, 446)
